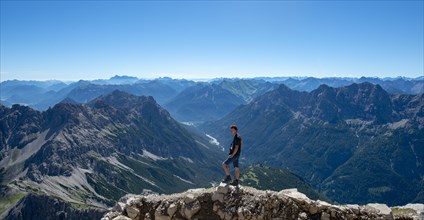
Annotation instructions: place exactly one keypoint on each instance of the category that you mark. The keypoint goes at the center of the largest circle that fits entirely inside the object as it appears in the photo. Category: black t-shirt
(236, 141)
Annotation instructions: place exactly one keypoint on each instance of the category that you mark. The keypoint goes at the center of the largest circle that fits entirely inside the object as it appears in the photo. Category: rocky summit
(228, 202)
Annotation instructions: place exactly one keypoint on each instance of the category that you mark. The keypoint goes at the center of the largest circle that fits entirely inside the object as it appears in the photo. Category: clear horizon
(75, 40)
(210, 79)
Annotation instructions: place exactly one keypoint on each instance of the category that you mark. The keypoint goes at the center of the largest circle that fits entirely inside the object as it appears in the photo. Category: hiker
(233, 157)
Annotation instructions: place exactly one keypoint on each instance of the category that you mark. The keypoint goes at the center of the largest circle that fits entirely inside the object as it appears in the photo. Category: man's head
(233, 129)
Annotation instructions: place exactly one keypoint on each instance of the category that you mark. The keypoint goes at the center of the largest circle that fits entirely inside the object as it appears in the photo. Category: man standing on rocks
(233, 157)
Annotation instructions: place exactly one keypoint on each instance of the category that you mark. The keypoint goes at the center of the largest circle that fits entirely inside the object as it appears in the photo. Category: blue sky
(71, 40)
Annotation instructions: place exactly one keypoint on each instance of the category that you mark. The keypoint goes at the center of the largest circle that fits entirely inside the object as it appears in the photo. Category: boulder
(189, 198)
(223, 188)
(217, 196)
(132, 212)
(172, 209)
(191, 209)
(381, 209)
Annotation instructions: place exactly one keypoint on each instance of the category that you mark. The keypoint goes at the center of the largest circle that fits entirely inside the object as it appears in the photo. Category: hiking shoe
(234, 183)
(227, 179)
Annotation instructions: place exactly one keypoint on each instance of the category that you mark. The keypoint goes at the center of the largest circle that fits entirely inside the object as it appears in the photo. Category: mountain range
(92, 154)
(356, 144)
(41, 98)
(398, 85)
(88, 143)
(216, 97)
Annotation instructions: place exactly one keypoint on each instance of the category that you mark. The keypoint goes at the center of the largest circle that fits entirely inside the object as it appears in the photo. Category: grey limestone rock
(228, 202)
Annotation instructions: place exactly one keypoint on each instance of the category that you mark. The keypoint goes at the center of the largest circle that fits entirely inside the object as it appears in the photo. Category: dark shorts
(234, 160)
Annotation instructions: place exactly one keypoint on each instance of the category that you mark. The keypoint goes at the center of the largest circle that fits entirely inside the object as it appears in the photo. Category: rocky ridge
(228, 202)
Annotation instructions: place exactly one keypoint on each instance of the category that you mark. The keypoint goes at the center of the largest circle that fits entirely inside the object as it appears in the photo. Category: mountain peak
(69, 101)
(123, 77)
(364, 85)
(325, 90)
(283, 87)
(63, 113)
(324, 87)
(228, 202)
(116, 80)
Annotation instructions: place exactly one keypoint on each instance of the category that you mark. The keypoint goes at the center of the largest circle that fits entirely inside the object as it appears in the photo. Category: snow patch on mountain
(152, 156)
(184, 180)
(187, 159)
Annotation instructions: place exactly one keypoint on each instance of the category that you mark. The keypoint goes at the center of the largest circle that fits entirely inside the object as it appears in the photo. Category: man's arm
(235, 151)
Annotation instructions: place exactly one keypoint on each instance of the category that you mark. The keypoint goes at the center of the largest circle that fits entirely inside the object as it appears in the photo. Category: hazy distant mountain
(27, 92)
(161, 92)
(91, 155)
(357, 143)
(44, 94)
(116, 80)
(211, 101)
(247, 89)
(46, 85)
(391, 85)
(36, 94)
(203, 102)
(176, 84)
(21, 94)
(310, 83)
(50, 98)
(398, 85)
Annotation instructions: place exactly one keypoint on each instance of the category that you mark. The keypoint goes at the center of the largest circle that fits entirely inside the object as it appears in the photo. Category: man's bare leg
(237, 172)
(227, 171)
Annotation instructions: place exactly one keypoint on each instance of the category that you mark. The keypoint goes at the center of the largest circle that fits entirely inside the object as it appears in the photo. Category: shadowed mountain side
(268, 178)
(203, 102)
(357, 143)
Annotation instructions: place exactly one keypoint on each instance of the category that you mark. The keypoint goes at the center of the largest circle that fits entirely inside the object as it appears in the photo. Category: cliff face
(227, 202)
(35, 207)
